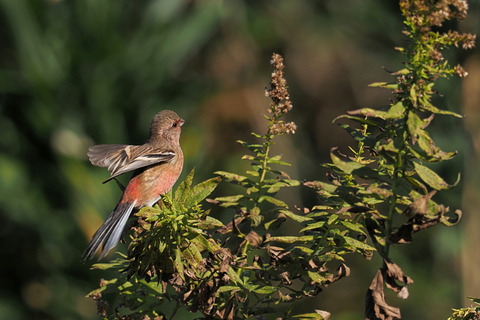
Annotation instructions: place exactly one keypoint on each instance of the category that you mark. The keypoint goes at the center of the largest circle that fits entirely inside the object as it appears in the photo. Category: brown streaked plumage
(157, 164)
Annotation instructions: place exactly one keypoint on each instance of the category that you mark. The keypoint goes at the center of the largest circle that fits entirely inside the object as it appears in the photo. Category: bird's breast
(147, 186)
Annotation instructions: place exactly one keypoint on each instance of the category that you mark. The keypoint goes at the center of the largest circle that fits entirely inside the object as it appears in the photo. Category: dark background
(82, 72)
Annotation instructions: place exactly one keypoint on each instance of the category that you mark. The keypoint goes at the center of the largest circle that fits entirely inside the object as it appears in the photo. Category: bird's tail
(110, 232)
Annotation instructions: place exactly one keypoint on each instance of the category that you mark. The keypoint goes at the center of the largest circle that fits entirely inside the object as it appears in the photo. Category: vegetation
(250, 266)
(236, 245)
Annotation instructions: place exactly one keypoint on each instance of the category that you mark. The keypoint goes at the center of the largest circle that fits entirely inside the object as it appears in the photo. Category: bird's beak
(181, 122)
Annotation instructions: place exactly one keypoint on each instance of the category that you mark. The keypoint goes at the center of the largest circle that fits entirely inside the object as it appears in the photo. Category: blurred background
(81, 72)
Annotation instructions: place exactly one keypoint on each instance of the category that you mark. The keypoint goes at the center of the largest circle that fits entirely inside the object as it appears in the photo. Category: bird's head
(166, 125)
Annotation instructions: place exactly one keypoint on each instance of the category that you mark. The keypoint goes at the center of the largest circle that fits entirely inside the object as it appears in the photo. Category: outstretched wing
(121, 158)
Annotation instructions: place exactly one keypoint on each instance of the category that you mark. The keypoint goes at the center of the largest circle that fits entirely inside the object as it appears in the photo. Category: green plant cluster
(249, 264)
(472, 313)
(281, 266)
(166, 249)
(386, 178)
(245, 267)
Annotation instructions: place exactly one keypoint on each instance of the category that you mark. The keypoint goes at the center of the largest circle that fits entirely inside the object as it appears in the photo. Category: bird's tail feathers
(108, 235)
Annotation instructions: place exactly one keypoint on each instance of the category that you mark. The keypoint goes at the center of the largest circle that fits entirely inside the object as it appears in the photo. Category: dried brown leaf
(342, 271)
(420, 205)
(227, 312)
(254, 239)
(395, 279)
(285, 279)
(422, 217)
(325, 314)
(376, 308)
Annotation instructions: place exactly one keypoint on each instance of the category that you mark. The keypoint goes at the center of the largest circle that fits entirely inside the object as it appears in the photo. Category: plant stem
(391, 210)
(268, 140)
(264, 163)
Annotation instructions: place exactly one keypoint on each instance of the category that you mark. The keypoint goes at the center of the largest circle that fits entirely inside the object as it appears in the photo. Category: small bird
(157, 164)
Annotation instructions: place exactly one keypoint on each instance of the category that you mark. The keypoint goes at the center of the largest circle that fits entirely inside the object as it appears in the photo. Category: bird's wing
(120, 158)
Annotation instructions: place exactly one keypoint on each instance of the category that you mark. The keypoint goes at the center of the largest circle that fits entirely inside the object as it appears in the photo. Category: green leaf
(431, 178)
(248, 157)
(451, 221)
(369, 112)
(199, 192)
(354, 227)
(386, 85)
(433, 109)
(264, 289)
(304, 249)
(230, 199)
(149, 213)
(414, 125)
(208, 223)
(228, 288)
(345, 166)
(426, 150)
(252, 146)
(184, 186)
(234, 276)
(209, 244)
(308, 316)
(476, 300)
(312, 226)
(396, 111)
(425, 142)
(251, 190)
(231, 176)
(319, 185)
(316, 277)
(356, 244)
(274, 223)
(290, 239)
(281, 184)
(361, 120)
(178, 263)
(295, 217)
(273, 201)
(192, 254)
(253, 173)
(332, 219)
(275, 161)
(114, 264)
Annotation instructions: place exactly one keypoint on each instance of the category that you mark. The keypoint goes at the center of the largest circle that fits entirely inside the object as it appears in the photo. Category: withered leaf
(420, 205)
(394, 276)
(342, 271)
(227, 312)
(285, 279)
(254, 239)
(325, 314)
(226, 260)
(450, 221)
(277, 253)
(422, 215)
(231, 226)
(376, 308)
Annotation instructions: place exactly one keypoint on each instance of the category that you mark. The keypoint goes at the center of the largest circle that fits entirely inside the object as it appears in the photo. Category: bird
(157, 164)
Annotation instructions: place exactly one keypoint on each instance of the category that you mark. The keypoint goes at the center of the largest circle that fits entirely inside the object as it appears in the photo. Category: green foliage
(250, 265)
(246, 267)
(472, 313)
(75, 73)
(168, 248)
(386, 174)
(288, 267)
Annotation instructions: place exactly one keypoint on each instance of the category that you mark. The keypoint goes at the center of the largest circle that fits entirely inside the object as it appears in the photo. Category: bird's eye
(175, 124)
